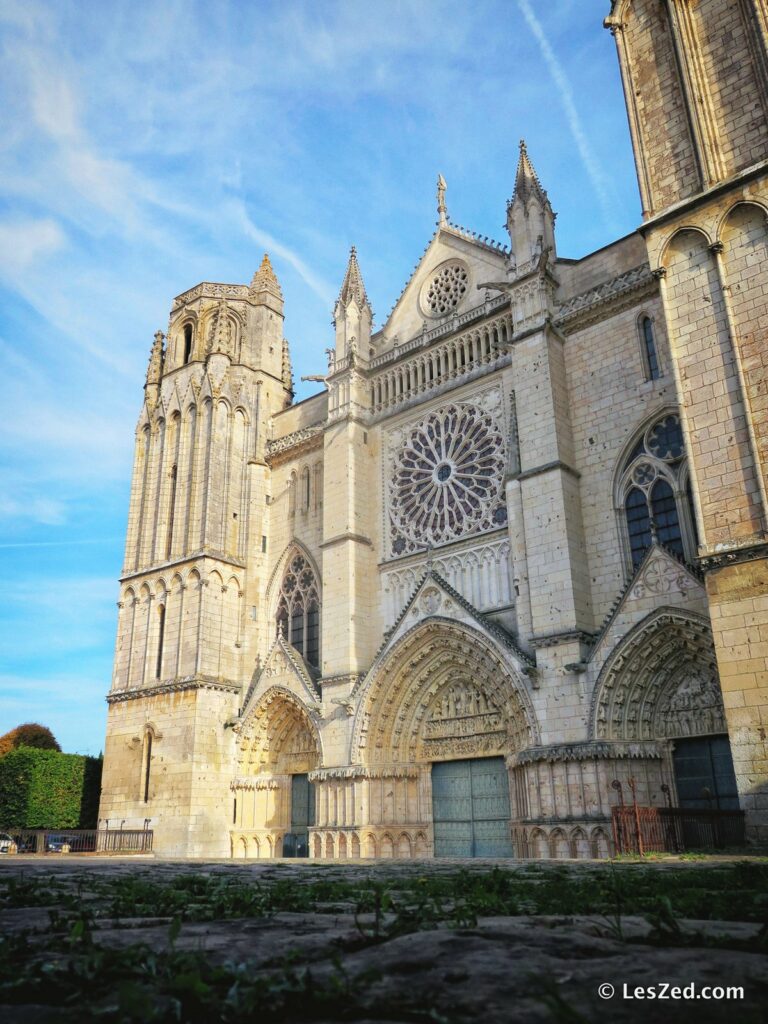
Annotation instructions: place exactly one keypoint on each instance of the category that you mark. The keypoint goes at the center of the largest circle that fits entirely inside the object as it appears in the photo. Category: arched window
(171, 511)
(187, 342)
(305, 489)
(160, 639)
(655, 495)
(650, 355)
(298, 609)
(147, 763)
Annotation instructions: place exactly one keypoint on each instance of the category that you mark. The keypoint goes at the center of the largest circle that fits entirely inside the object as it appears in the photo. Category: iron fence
(82, 840)
(675, 829)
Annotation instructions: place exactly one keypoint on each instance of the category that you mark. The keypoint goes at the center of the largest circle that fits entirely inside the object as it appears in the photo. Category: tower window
(651, 357)
(147, 763)
(187, 342)
(171, 511)
(298, 609)
(160, 639)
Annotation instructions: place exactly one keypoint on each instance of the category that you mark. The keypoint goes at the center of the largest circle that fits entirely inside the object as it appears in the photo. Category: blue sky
(147, 146)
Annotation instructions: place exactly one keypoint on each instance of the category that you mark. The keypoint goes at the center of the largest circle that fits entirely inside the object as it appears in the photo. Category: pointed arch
(651, 495)
(439, 671)
(298, 605)
(660, 681)
(278, 736)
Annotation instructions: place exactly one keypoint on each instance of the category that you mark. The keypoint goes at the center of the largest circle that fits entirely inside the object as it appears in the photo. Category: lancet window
(650, 352)
(655, 498)
(298, 609)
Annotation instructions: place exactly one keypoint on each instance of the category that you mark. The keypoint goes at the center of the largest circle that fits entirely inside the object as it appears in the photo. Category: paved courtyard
(144, 939)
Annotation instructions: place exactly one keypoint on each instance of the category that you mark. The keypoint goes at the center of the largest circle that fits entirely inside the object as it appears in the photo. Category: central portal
(470, 808)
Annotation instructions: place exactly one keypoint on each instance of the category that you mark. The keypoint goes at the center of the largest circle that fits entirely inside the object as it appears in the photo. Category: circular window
(446, 289)
(665, 439)
(447, 479)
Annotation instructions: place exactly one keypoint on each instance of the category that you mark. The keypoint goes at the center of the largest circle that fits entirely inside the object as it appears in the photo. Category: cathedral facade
(514, 550)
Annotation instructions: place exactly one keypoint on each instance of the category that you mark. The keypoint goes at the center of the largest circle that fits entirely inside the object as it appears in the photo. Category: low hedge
(48, 789)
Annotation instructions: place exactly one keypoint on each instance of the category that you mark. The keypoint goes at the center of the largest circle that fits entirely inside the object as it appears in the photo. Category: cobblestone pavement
(523, 967)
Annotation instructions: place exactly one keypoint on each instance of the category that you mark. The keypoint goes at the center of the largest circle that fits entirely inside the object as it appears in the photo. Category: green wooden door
(470, 808)
(296, 841)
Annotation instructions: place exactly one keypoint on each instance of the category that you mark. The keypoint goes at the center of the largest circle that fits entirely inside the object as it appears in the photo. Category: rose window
(447, 479)
(446, 289)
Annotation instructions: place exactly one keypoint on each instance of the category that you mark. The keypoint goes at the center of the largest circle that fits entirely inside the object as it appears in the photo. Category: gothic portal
(514, 549)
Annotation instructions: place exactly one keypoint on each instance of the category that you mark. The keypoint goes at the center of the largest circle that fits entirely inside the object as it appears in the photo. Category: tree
(31, 734)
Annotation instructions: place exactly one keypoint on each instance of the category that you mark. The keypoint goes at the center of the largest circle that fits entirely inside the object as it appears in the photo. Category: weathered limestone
(482, 542)
(707, 235)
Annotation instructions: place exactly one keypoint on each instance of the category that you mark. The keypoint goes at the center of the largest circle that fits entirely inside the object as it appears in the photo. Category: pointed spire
(352, 287)
(527, 182)
(265, 278)
(530, 218)
(221, 336)
(442, 209)
(156, 356)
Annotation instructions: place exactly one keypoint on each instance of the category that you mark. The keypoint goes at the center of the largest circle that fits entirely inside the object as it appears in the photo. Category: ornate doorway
(274, 801)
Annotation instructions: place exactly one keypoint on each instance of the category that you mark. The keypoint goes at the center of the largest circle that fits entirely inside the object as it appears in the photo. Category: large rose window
(447, 478)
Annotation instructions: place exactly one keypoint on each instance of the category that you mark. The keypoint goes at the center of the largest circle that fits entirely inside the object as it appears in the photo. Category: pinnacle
(527, 184)
(265, 277)
(352, 286)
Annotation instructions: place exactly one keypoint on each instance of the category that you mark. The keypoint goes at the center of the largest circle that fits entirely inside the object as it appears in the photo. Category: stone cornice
(259, 782)
(587, 750)
(211, 290)
(296, 443)
(197, 556)
(733, 556)
(547, 467)
(174, 686)
(611, 296)
(360, 771)
(565, 637)
(729, 184)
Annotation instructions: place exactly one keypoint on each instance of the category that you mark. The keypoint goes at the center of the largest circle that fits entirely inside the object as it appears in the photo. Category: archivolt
(442, 665)
(660, 682)
(278, 736)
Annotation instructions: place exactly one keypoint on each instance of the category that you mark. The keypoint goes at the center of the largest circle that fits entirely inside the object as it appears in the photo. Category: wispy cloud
(597, 175)
(126, 177)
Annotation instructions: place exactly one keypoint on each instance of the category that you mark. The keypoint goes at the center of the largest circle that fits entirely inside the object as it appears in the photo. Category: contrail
(588, 158)
(320, 288)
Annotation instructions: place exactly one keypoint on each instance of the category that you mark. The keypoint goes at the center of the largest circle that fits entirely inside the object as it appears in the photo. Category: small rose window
(446, 289)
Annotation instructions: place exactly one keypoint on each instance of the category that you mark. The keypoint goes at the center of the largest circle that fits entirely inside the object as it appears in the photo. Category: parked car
(71, 842)
(7, 844)
(58, 844)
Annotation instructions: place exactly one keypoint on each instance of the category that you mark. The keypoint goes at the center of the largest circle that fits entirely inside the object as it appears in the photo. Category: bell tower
(696, 86)
(194, 561)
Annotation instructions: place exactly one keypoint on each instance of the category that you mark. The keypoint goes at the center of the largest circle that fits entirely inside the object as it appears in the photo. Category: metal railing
(79, 840)
(669, 829)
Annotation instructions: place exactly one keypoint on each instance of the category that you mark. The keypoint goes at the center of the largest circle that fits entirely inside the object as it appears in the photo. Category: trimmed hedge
(48, 789)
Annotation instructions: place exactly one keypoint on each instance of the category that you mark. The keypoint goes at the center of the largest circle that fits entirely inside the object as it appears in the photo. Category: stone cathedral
(513, 550)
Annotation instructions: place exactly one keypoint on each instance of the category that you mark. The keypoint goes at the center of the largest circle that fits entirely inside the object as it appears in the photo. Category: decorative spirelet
(447, 479)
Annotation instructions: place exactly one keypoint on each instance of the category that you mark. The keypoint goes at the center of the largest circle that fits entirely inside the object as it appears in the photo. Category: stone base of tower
(738, 605)
(168, 759)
